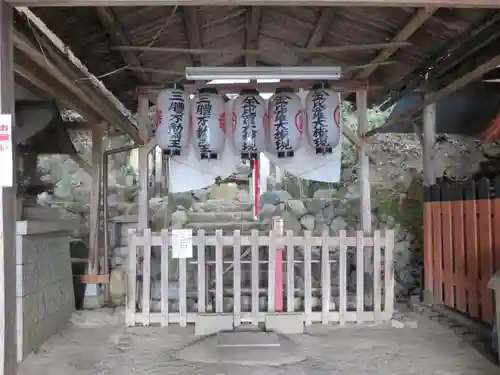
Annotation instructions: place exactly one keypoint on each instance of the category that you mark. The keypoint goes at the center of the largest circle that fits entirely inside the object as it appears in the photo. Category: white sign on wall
(182, 243)
(6, 152)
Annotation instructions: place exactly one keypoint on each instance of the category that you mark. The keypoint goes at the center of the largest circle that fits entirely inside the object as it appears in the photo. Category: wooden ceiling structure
(389, 50)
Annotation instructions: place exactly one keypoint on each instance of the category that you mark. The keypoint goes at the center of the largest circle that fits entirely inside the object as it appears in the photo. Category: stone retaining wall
(44, 290)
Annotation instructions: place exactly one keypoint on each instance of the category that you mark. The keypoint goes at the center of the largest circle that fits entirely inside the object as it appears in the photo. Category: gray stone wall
(45, 299)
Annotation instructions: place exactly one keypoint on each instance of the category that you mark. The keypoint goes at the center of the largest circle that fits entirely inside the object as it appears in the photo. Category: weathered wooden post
(494, 284)
(8, 346)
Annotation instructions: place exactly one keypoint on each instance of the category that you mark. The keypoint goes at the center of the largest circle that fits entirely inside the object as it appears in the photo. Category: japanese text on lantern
(319, 125)
(175, 122)
(6, 156)
(203, 114)
(280, 123)
(249, 124)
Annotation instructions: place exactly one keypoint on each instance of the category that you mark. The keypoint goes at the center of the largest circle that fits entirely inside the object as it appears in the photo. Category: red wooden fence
(462, 245)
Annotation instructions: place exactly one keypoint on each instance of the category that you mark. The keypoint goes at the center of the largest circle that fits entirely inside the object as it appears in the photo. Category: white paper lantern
(286, 121)
(248, 124)
(209, 112)
(323, 115)
(172, 120)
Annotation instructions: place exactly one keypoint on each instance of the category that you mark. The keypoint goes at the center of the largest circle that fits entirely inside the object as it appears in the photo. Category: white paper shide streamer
(286, 121)
(323, 119)
(209, 122)
(172, 120)
(249, 124)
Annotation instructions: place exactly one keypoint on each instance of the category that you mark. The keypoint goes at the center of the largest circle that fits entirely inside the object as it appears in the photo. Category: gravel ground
(97, 343)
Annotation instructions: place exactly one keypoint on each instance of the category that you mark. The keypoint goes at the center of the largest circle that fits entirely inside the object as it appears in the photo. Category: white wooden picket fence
(250, 259)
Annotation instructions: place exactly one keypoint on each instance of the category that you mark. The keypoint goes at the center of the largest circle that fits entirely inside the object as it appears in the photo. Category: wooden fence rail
(462, 245)
(243, 268)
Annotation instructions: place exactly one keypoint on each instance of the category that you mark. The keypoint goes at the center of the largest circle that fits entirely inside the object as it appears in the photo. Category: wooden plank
(183, 291)
(414, 24)
(428, 241)
(93, 279)
(95, 202)
(326, 281)
(342, 277)
(202, 278)
(290, 272)
(471, 246)
(237, 278)
(457, 213)
(146, 274)
(485, 237)
(165, 260)
(131, 293)
(255, 276)
(389, 274)
(271, 273)
(447, 241)
(219, 280)
(377, 276)
(360, 276)
(428, 144)
(437, 245)
(307, 278)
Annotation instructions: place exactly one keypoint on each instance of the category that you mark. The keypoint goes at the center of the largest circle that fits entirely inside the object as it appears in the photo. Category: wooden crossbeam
(252, 34)
(416, 22)
(344, 3)
(218, 51)
(118, 36)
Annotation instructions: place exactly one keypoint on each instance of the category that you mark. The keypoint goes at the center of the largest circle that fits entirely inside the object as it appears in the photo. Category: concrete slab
(208, 324)
(243, 348)
(285, 323)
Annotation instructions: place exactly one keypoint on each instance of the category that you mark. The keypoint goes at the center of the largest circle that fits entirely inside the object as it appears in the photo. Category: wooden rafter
(322, 25)
(452, 87)
(252, 34)
(118, 36)
(416, 22)
(344, 3)
(192, 29)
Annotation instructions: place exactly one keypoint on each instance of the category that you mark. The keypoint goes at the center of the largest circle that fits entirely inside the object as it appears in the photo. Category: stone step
(215, 205)
(219, 217)
(228, 225)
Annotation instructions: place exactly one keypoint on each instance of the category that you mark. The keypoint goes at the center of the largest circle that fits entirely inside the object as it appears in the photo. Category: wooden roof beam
(118, 36)
(452, 87)
(252, 34)
(417, 21)
(322, 25)
(192, 29)
(344, 3)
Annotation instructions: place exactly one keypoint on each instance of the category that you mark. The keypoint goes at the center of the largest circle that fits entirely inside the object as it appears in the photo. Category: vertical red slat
(485, 248)
(428, 237)
(437, 244)
(457, 213)
(446, 228)
(471, 246)
(496, 225)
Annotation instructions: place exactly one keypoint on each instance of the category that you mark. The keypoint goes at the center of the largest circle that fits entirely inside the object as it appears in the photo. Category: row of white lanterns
(251, 124)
